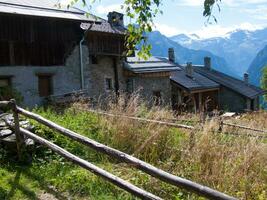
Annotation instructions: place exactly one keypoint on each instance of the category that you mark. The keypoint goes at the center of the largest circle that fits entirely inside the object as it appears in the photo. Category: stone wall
(95, 75)
(147, 85)
(231, 101)
(66, 78)
(25, 80)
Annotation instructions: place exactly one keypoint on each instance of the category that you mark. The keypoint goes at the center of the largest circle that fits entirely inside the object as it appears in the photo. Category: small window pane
(4, 82)
(157, 97)
(129, 85)
(108, 84)
(93, 59)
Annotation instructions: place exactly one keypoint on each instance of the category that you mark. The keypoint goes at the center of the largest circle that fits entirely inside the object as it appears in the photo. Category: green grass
(217, 161)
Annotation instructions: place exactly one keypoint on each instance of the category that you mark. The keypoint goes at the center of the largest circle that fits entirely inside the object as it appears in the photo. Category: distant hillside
(255, 69)
(238, 47)
(161, 43)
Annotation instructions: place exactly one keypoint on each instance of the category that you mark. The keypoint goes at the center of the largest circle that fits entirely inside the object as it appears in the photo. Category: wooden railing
(139, 164)
(144, 120)
(260, 133)
(183, 126)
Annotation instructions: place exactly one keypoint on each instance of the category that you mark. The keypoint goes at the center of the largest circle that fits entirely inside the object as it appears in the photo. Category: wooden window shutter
(45, 85)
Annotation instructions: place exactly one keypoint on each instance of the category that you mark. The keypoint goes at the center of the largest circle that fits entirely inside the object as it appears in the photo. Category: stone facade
(231, 101)
(25, 78)
(96, 75)
(146, 86)
(67, 78)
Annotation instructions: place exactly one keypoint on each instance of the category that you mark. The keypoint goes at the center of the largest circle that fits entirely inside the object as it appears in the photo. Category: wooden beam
(4, 104)
(92, 168)
(204, 90)
(19, 137)
(11, 53)
(245, 127)
(200, 102)
(149, 169)
(145, 120)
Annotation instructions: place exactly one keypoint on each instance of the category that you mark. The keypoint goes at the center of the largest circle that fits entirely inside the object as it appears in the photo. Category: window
(157, 97)
(5, 82)
(45, 85)
(93, 59)
(108, 84)
(129, 85)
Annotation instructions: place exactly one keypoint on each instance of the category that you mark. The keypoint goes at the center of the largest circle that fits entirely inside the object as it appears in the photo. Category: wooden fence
(144, 120)
(141, 165)
(172, 124)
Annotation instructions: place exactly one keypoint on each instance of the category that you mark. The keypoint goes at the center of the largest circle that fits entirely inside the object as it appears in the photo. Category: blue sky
(185, 16)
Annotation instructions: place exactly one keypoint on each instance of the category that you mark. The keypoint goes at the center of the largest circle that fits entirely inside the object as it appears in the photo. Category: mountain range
(256, 67)
(238, 47)
(161, 43)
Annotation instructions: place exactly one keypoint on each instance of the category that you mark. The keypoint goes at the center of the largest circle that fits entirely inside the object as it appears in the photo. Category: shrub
(8, 93)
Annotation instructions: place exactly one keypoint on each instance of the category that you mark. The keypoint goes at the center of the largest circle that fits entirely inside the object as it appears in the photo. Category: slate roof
(239, 86)
(194, 83)
(153, 64)
(44, 8)
(104, 27)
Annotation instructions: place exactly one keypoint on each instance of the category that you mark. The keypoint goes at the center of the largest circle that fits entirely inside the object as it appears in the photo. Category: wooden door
(45, 85)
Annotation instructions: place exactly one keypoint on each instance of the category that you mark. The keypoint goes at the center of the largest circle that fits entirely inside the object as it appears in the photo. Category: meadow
(234, 164)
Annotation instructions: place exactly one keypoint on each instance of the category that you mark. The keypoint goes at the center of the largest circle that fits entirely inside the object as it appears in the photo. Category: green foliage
(8, 93)
(208, 9)
(235, 165)
(264, 80)
(141, 14)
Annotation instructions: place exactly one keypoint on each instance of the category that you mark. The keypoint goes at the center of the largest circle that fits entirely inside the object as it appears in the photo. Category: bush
(8, 93)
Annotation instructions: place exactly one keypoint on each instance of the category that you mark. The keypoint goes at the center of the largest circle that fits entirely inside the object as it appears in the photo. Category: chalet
(150, 78)
(49, 50)
(234, 94)
(46, 50)
(193, 91)
(189, 87)
(202, 88)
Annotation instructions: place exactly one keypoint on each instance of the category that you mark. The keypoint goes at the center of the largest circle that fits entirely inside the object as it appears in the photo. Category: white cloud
(166, 29)
(220, 31)
(191, 3)
(101, 10)
(65, 2)
(260, 12)
(235, 3)
(208, 31)
(231, 3)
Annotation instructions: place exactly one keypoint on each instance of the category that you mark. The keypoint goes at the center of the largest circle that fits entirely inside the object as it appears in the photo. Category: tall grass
(235, 165)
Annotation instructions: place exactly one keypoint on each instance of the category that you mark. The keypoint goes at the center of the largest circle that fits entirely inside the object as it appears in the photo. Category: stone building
(46, 50)
(49, 51)
(201, 88)
(150, 78)
(234, 95)
(192, 91)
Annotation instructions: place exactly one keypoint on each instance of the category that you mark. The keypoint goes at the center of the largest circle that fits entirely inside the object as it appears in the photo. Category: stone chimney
(207, 63)
(171, 55)
(189, 70)
(246, 78)
(115, 18)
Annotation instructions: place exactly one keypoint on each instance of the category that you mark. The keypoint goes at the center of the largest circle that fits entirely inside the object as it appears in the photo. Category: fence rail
(245, 127)
(141, 165)
(89, 166)
(171, 124)
(4, 103)
(143, 120)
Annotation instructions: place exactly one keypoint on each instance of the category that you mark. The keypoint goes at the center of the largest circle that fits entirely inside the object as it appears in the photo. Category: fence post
(220, 125)
(19, 135)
